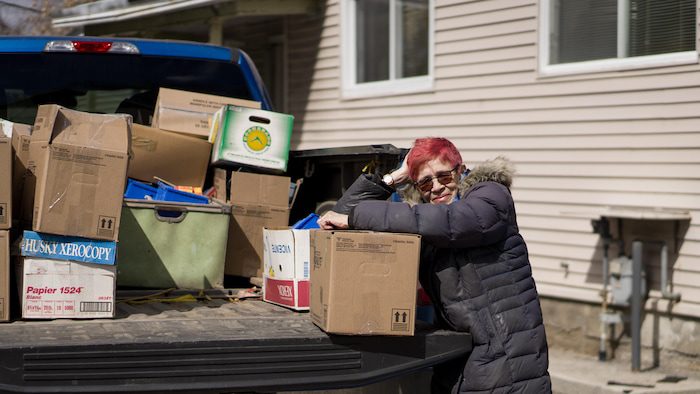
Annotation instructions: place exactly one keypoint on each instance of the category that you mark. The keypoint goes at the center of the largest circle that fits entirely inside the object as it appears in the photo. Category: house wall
(580, 143)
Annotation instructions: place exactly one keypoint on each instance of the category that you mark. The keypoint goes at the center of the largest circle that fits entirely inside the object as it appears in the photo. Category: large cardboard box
(5, 175)
(66, 277)
(364, 283)
(80, 168)
(177, 158)
(257, 201)
(4, 275)
(286, 260)
(251, 137)
(21, 134)
(190, 112)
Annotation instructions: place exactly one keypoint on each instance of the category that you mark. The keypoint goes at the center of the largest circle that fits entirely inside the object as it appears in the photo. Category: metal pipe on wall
(602, 348)
(664, 275)
(636, 304)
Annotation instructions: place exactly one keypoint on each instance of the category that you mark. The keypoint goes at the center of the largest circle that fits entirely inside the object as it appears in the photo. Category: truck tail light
(91, 46)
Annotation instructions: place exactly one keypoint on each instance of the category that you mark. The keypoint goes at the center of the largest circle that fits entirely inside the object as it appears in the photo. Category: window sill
(388, 88)
(625, 64)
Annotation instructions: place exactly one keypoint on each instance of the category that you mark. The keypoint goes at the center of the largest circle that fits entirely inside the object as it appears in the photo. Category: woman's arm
(480, 218)
(365, 187)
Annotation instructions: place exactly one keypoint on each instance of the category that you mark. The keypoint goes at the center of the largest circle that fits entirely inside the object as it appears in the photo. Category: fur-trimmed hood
(500, 170)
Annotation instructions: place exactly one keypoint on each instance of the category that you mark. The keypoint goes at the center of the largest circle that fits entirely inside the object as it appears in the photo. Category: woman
(474, 262)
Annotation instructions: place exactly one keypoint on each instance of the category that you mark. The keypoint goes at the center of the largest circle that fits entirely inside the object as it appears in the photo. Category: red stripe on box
(280, 291)
(304, 293)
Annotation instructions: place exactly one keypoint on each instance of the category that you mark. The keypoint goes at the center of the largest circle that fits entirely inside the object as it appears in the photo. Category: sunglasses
(445, 178)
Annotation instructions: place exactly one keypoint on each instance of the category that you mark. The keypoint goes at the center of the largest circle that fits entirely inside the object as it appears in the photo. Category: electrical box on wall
(621, 281)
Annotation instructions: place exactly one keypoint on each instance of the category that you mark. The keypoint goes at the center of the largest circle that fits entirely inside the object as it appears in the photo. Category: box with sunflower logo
(251, 137)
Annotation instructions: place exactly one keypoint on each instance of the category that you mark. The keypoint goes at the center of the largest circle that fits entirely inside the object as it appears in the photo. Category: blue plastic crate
(139, 190)
(169, 193)
(307, 223)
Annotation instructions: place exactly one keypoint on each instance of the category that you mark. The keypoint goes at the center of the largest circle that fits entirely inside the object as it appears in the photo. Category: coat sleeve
(480, 218)
(365, 187)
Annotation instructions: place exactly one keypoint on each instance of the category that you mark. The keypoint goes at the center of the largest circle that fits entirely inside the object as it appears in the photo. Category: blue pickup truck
(207, 345)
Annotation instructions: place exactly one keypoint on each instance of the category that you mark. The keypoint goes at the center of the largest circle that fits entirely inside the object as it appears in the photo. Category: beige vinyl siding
(580, 142)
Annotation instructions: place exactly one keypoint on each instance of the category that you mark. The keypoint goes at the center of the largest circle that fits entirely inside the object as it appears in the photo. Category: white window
(578, 36)
(387, 47)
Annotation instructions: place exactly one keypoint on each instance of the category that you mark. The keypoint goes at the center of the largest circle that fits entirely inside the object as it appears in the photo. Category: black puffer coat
(475, 268)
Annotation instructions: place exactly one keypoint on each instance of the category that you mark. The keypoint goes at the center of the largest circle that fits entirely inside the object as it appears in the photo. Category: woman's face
(437, 182)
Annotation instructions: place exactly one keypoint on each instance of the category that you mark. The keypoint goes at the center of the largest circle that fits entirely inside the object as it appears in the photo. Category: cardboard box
(66, 277)
(257, 201)
(251, 137)
(364, 283)
(190, 112)
(4, 275)
(80, 168)
(5, 174)
(53, 289)
(286, 267)
(177, 158)
(21, 134)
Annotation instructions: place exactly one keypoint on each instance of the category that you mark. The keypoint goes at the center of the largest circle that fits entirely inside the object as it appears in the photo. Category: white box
(251, 137)
(286, 261)
(53, 289)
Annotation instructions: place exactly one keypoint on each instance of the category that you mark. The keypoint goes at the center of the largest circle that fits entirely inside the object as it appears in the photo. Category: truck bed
(211, 342)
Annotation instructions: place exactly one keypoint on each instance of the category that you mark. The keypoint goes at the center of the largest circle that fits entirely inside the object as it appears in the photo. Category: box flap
(249, 188)
(43, 123)
(105, 132)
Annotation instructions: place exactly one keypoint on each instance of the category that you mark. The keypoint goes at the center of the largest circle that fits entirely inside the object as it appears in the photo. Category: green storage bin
(164, 245)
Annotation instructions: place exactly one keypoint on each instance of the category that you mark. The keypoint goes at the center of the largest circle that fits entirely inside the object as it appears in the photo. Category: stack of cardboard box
(250, 151)
(75, 175)
(6, 158)
(174, 147)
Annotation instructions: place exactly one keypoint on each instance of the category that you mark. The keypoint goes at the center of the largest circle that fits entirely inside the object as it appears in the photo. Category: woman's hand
(401, 174)
(333, 220)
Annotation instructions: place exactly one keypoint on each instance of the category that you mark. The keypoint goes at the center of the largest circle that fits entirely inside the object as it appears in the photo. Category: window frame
(604, 65)
(350, 89)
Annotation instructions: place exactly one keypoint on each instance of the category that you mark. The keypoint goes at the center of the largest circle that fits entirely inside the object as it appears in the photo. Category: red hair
(427, 149)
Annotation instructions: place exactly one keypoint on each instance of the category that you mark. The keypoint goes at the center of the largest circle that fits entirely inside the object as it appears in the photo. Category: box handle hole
(258, 119)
